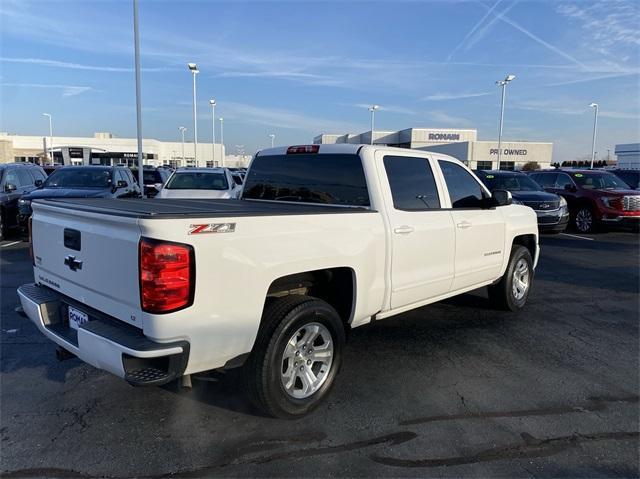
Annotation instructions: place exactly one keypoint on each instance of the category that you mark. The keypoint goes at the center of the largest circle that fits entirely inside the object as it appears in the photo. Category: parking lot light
(373, 109)
(182, 130)
(212, 102)
(273, 137)
(222, 139)
(503, 84)
(595, 127)
(50, 152)
(194, 71)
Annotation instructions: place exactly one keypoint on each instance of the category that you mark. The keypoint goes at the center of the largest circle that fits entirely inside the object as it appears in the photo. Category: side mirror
(157, 186)
(502, 197)
(38, 183)
(9, 187)
(121, 184)
(569, 188)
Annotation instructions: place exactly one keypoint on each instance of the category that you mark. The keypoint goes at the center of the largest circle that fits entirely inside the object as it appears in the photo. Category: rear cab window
(331, 179)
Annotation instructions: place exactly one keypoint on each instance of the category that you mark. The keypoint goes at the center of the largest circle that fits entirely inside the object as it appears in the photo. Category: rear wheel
(512, 291)
(296, 357)
(584, 220)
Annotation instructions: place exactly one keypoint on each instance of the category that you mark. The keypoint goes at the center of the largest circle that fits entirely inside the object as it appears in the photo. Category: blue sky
(300, 68)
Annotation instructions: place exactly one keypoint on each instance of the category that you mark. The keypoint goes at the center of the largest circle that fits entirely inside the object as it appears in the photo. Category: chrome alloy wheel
(520, 279)
(584, 220)
(306, 360)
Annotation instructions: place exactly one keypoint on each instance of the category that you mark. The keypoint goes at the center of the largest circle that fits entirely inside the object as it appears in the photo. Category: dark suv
(153, 179)
(81, 182)
(595, 197)
(16, 179)
(551, 209)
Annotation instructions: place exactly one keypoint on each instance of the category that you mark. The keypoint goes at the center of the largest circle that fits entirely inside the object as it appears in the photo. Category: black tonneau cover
(196, 208)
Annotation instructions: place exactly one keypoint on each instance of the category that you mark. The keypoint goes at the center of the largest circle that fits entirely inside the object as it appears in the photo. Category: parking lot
(455, 389)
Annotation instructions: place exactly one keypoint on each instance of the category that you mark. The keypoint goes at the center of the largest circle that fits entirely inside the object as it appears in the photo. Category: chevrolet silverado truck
(325, 238)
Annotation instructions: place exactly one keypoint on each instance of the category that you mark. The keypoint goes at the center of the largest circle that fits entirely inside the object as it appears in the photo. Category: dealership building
(461, 144)
(106, 149)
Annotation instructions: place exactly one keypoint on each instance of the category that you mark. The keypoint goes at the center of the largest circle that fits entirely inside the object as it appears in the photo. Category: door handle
(403, 230)
(463, 225)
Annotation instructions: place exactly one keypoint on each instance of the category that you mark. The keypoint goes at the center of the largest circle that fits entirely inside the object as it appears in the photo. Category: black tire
(262, 371)
(502, 294)
(584, 221)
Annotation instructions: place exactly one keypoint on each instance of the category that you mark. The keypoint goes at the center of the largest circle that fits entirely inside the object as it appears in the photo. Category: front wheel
(512, 291)
(296, 357)
(584, 220)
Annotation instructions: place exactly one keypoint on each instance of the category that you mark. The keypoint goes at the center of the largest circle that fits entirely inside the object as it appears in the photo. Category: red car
(595, 197)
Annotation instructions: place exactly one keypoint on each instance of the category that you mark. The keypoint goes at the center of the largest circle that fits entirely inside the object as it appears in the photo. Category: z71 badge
(212, 228)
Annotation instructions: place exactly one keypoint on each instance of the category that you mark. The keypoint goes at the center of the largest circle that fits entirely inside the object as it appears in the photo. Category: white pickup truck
(325, 238)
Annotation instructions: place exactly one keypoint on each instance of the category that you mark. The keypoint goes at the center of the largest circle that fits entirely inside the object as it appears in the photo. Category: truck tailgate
(90, 257)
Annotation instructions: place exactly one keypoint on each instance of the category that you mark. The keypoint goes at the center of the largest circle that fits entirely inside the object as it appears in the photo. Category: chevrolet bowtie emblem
(72, 263)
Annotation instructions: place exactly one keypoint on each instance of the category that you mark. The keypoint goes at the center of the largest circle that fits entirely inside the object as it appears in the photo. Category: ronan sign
(444, 136)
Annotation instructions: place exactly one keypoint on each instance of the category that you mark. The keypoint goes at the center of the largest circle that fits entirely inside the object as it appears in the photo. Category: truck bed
(194, 208)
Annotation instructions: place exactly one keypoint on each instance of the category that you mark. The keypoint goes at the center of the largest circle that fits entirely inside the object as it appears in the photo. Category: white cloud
(67, 90)
(609, 27)
(556, 108)
(447, 119)
(454, 96)
(279, 118)
(75, 66)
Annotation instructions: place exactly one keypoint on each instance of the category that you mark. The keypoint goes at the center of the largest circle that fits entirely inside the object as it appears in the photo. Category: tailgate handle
(72, 239)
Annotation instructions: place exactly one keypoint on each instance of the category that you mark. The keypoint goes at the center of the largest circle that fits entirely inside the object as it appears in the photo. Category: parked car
(81, 182)
(200, 183)
(551, 209)
(16, 180)
(630, 177)
(324, 238)
(595, 197)
(153, 178)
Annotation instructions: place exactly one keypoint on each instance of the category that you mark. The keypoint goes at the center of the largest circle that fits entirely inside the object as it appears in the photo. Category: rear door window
(308, 178)
(464, 190)
(412, 184)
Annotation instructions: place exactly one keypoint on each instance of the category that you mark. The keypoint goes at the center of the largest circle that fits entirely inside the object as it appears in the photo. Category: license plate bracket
(76, 317)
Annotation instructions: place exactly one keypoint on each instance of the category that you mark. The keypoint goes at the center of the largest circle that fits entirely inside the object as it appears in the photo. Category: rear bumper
(104, 342)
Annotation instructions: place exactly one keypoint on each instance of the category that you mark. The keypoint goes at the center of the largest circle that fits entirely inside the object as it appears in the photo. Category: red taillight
(167, 276)
(294, 150)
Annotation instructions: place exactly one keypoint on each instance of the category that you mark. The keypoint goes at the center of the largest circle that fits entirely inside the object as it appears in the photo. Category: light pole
(503, 84)
(50, 152)
(194, 70)
(212, 102)
(136, 40)
(595, 128)
(222, 139)
(372, 109)
(273, 137)
(182, 130)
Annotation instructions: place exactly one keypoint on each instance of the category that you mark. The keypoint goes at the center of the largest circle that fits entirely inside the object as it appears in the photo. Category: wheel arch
(529, 242)
(336, 286)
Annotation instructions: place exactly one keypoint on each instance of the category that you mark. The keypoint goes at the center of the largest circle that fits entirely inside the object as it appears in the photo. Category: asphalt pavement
(455, 389)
